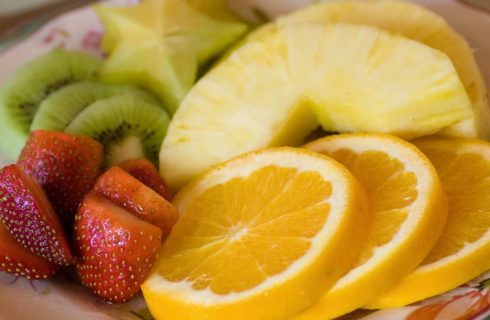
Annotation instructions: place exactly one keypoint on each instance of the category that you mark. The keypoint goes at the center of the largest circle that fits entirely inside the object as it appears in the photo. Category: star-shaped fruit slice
(160, 44)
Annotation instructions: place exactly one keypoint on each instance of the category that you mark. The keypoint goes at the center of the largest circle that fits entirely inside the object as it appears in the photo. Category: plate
(81, 30)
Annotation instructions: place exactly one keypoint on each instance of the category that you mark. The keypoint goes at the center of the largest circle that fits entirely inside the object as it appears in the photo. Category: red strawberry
(126, 191)
(145, 171)
(116, 249)
(65, 166)
(16, 259)
(29, 217)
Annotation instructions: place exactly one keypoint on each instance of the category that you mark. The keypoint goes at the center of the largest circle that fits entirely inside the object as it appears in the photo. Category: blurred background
(25, 16)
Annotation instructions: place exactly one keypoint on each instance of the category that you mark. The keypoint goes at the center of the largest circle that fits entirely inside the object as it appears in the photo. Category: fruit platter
(191, 159)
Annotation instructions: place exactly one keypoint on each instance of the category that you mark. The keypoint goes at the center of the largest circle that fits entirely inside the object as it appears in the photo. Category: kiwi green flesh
(129, 147)
(61, 107)
(126, 125)
(21, 96)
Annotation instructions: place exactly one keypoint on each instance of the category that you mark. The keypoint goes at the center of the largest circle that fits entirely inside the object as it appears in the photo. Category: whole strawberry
(29, 217)
(66, 167)
(116, 249)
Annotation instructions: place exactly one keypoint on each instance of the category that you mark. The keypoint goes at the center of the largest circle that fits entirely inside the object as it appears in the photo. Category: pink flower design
(57, 36)
(91, 39)
(459, 307)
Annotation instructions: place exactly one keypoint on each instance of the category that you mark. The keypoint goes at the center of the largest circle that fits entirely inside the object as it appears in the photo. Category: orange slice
(407, 213)
(463, 251)
(261, 236)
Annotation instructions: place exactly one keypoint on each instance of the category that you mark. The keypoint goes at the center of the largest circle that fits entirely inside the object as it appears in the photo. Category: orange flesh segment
(263, 211)
(389, 188)
(469, 208)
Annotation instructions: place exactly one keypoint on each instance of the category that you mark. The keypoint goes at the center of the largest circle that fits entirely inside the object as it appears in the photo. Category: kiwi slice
(61, 107)
(127, 125)
(30, 85)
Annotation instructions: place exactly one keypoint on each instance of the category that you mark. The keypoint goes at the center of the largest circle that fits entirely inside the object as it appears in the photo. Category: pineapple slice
(414, 22)
(267, 93)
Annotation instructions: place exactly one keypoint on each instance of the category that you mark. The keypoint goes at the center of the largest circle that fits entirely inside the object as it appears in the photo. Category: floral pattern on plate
(62, 298)
(470, 301)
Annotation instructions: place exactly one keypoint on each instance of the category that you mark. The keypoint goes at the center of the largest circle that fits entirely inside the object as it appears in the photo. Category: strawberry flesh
(65, 166)
(16, 259)
(29, 217)
(126, 191)
(145, 171)
(116, 249)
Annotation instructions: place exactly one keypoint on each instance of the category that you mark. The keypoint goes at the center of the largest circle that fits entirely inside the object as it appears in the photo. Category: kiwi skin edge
(24, 91)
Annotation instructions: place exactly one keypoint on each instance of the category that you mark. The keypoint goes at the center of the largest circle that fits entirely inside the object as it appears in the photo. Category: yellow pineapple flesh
(273, 91)
(414, 22)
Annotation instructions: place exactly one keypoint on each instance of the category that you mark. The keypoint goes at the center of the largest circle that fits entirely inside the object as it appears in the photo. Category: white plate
(81, 30)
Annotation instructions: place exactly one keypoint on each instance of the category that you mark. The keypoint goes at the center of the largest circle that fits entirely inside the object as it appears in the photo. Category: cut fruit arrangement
(375, 82)
(258, 233)
(259, 228)
(66, 91)
(408, 211)
(128, 122)
(54, 193)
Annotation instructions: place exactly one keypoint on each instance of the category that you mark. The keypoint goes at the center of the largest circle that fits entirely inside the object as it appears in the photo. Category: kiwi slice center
(129, 147)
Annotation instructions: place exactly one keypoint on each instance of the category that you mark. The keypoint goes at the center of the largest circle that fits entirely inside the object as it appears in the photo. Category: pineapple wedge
(414, 22)
(268, 92)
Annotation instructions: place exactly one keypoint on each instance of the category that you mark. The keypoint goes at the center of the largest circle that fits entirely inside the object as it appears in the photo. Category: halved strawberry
(29, 217)
(16, 259)
(125, 190)
(65, 166)
(116, 249)
(144, 170)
